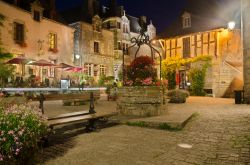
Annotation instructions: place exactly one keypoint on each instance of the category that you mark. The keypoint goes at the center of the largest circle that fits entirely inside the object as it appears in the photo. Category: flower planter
(140, 100)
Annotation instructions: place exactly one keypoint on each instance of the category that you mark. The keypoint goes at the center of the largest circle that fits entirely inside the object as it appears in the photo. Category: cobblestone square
(219, 135)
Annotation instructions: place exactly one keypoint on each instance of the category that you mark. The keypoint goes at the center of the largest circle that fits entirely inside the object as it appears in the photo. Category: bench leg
(91, 126)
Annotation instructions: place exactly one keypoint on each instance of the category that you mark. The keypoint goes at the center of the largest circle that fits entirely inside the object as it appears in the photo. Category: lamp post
(245, 41)
(245, 26)
(123, 69)
(164, 49)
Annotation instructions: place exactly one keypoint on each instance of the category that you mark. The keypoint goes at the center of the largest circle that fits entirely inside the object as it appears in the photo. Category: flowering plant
(22, 44)
(21, 127)
(54, 50)
(141, 72)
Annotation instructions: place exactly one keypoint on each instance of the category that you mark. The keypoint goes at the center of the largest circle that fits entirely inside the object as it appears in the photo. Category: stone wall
(140, 101)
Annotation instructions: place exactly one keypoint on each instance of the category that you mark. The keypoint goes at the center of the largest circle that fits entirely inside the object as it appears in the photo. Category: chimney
(120, 11)
(52, 12)
(16, 2)
(90, 8)
(143, 23)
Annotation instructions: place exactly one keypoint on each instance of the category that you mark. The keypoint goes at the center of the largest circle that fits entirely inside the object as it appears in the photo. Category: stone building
(198, 31)
(95, 48)
(30, 35)
(108, 28)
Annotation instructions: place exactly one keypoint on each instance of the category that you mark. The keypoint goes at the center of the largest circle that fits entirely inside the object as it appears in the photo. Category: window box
(22, 44)
(54, 50)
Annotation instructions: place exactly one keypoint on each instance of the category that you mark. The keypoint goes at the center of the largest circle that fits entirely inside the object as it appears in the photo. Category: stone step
(167, 121)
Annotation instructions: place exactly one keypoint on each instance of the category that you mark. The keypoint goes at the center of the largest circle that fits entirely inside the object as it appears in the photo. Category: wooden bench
(91, 116)
(64, 97)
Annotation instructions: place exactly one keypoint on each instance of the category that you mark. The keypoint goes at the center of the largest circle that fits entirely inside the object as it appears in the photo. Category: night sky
(161, 12)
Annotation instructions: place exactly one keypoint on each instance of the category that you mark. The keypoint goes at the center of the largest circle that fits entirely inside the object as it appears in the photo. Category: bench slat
(80, 96)
(69, 120)
(78, 118)
(69, 115)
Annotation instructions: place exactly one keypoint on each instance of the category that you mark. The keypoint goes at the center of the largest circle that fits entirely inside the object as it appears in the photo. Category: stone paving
(220, 135)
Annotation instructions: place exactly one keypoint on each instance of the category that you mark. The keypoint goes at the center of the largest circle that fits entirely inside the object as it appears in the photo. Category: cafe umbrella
(21, 61)
(42, 63)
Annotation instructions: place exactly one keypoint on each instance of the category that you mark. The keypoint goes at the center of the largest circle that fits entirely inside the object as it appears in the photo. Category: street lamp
(77, 56)
(231, 25)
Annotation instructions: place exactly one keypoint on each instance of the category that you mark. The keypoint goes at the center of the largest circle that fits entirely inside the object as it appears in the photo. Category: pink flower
(129, 82)
(147, 81)
(11, 132)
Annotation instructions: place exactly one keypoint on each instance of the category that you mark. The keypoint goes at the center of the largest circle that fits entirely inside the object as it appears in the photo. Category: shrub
(177, 96)
(197, 76)
(171, 77)
(21, 128)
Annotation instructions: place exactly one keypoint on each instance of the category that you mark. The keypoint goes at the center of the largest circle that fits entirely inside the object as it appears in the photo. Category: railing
(48, 89)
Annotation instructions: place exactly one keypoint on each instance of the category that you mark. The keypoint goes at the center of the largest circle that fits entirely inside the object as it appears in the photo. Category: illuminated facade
(193, 36)
(104, 36)
(35, 37)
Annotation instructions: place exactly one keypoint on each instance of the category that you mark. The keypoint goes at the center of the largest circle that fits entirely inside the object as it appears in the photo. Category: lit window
(36, 16)
(52, 41)
(102, 70)
(88, 70)
(19, 32)
(96, 47)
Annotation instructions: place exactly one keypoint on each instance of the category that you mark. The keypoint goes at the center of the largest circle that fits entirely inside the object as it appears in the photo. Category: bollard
(91, 104)
(41, 100)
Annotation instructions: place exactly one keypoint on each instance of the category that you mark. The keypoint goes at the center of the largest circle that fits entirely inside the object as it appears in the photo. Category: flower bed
(21, 127)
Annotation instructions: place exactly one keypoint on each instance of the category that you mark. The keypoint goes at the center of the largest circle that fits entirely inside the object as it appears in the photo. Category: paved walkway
(220, 135)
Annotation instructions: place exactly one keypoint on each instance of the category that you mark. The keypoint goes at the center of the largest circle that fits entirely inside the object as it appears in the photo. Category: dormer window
(97, 23)
(125, 24)
(186, 20)
(36, 15)
(37, 10)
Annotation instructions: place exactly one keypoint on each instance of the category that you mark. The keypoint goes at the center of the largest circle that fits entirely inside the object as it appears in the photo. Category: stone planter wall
(140, 101)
